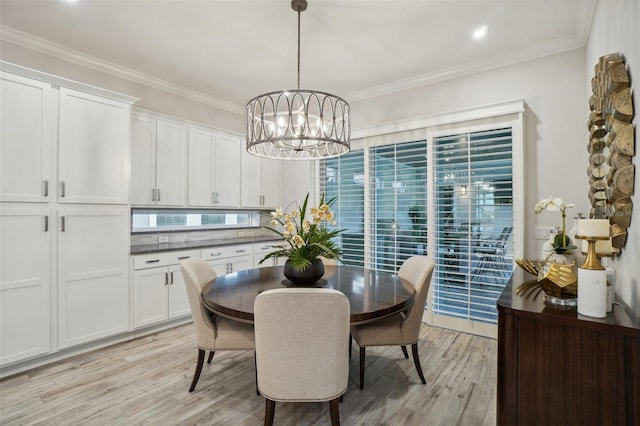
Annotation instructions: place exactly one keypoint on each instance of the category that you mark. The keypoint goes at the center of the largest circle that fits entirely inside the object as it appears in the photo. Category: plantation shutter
(343, 177)
(398, 205)
(473, 210)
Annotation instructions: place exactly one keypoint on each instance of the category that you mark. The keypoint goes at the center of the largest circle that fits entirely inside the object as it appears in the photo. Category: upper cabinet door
(214, 169)
(93, 149)
(171, 164)
(201, 175)
(25, 139)
(227, 171)
(271, 183)
(143, 160)
(251, 180)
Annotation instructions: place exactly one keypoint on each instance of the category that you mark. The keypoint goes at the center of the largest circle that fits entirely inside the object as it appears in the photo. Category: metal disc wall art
(611, 146)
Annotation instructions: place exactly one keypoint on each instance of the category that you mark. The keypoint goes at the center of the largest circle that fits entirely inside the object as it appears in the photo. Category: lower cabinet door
(93, 282)
(240, 263)
(220, 266)
(178, 300)
(25, 289)
(150, 296)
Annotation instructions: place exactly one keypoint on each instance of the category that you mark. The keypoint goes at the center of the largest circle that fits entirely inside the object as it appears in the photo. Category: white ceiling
(226, 52)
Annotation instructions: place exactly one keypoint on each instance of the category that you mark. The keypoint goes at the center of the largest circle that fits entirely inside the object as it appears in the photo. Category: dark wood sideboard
(556, 367)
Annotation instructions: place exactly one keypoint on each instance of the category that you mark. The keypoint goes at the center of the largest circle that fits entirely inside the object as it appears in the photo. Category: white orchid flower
(298, 241)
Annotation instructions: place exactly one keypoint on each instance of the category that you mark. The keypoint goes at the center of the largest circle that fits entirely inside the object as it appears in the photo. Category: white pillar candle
(593, 228)
(592, 292)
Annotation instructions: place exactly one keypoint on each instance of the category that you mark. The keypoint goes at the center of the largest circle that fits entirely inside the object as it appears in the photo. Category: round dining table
(372, 294)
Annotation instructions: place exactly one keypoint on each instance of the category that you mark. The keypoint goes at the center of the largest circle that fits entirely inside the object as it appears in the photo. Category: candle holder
(592, 281)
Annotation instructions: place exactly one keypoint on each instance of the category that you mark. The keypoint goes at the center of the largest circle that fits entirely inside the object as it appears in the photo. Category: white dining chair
(302, 336)
(213, 332)
(404, 328)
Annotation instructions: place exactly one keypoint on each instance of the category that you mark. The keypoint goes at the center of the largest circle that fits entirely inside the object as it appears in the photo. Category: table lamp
(592, 276)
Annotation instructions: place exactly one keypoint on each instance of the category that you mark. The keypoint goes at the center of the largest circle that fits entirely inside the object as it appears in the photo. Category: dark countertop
(187, 245)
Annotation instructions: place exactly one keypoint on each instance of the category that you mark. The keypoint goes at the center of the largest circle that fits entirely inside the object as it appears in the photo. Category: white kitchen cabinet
(297, 181)
(262, 249)
(93, 149)
(93, 285)
(229, 259)
(25, 139)
(25, 283)
(158, 162)
(159, 292)
(260, 182)
(214, 169)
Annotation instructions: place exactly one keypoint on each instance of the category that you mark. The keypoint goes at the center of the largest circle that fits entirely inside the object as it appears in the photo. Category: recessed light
(480, 32)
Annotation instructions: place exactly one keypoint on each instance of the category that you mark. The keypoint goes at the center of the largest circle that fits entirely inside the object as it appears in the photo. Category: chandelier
(298, 124)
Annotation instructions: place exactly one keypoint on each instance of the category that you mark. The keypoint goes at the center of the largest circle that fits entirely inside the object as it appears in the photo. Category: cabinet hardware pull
(46, 188)
(166, 278)
(152, 261)
(158, 192)
(216, 254)
(171, 282)
(213, 198)
(241, 251)
(63, 224)
(153, 194)
(63, 189)
(183, 257)
(46, 223)
(217, 197)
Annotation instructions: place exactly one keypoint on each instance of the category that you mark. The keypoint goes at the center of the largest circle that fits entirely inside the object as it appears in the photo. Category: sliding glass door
(451, 195)
(398, 207)
(473, 211)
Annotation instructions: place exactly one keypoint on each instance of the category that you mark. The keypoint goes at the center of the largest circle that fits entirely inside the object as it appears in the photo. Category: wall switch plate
(163, 238)
(543, 232)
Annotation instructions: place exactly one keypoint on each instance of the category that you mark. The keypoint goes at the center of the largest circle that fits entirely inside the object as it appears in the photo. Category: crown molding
(584, 19)
(31, 42)
(558, 46)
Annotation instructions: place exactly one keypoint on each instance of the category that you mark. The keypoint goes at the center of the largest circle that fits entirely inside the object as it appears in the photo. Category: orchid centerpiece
(306, 233)
(561, 242)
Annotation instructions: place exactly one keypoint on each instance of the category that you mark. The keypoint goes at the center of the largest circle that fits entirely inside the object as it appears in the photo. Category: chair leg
(404, 351)
(210, 357)
(362, 353)
(350, 344)
(269, 412)
(416, 361)
(255, 369)
(334, 409)
(196, 375)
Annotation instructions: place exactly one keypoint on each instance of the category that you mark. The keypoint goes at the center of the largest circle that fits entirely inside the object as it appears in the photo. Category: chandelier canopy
(298, 124)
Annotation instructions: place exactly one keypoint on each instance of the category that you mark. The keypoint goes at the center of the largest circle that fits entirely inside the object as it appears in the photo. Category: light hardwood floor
(145, 381)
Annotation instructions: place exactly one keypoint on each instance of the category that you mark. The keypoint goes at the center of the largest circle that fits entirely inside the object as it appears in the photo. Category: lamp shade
(297, 125)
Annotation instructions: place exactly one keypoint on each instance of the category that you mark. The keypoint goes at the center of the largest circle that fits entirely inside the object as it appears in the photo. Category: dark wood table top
(372, 294)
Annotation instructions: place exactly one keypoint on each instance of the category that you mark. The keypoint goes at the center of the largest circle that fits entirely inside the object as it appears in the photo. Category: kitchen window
(161, 220)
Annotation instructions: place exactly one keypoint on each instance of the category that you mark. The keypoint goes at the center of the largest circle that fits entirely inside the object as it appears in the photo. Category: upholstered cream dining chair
(401, 329)
(213, 332)
(302, 336)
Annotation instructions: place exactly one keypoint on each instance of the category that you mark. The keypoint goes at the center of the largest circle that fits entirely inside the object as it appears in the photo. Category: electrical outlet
(542, 232)
(163, 238)
(242, 233)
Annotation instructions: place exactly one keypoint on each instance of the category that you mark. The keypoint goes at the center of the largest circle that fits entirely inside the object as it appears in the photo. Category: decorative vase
(307, 276)
(561, 258)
